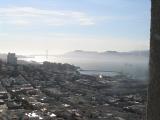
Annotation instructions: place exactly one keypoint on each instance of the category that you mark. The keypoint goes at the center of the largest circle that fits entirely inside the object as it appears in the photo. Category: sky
(60, 26)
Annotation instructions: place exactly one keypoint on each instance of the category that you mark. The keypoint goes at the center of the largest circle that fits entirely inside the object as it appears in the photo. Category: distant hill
(81, 53)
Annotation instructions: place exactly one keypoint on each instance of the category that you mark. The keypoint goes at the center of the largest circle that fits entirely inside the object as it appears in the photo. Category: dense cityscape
(55, 91)
(79, 60)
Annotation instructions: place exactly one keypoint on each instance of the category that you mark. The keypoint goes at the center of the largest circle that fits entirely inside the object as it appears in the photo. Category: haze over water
(136, 66)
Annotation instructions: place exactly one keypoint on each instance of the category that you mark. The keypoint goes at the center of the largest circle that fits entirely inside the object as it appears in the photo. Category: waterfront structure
(11, 59)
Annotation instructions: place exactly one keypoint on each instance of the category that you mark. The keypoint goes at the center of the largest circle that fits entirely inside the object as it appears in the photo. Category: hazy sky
(33, 26)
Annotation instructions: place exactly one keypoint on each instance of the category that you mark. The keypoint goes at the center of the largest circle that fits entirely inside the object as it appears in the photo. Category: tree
(153, 107)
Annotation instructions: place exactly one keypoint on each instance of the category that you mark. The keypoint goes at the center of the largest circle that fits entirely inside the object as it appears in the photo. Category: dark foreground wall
(153, 109)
